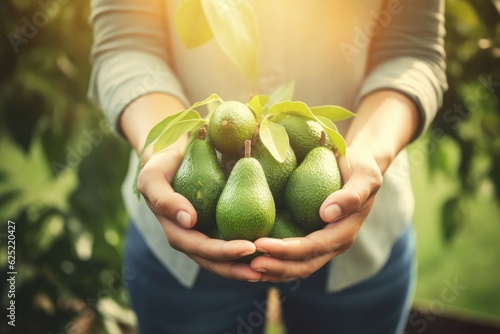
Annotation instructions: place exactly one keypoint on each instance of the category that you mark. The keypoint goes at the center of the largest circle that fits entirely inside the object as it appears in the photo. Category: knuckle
(305, 271)
(318, 249)
(348, 243)
(202, 251)
(158, 204)
(377, 181)
(306, 274)
(173, 242)
(342, 245)
(355, 199)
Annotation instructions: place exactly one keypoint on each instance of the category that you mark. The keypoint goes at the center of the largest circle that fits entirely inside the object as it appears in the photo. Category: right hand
(177, 216)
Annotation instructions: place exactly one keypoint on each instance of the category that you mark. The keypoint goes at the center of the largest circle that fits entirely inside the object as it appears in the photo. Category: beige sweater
(337, 51)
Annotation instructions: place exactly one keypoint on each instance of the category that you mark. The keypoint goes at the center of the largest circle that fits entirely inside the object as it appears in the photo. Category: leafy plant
(60, 173)
(266, 109)
(231, 23)
(469, 121)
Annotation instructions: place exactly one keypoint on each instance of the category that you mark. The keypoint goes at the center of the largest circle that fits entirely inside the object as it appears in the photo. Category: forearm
(129, 56)
(144, 113)
(386, 122)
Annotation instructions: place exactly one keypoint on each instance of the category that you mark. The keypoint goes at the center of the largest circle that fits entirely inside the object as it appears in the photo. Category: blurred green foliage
(470, 115)
(61, 168)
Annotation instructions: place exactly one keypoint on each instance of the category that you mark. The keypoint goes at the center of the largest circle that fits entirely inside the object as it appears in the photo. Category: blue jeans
(379, 305)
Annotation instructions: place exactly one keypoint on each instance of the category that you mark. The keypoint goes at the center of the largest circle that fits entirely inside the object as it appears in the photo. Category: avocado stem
(202, 133)
(322, 140)
(248, 148)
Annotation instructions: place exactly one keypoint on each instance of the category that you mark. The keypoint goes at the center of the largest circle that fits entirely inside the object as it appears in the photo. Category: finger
(161, 198)
(195, 243)
(288, 248)
(332, 238)
(363, 182)
(229, 269)
(277, 270)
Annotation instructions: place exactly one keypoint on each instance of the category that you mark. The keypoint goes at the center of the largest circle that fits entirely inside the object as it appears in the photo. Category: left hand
(293, 258)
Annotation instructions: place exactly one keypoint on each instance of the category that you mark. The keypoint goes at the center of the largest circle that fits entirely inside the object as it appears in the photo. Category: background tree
(60, 173)
(470, 116)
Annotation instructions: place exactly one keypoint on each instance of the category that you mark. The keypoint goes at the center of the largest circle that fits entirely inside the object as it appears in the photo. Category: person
(383, 59)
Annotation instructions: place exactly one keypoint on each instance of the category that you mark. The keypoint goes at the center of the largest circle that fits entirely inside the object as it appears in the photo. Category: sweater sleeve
(129, 55)
(408, 55)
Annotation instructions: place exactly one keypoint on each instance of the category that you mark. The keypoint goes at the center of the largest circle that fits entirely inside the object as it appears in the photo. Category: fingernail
(261, 270)
(184, 218)
(252, 280)
(332, 212)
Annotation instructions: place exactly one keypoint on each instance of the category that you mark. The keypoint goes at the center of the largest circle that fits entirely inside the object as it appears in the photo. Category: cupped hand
(344, 212)
(177, 217)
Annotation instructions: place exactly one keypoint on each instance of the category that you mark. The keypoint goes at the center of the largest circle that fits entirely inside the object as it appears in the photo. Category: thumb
(154, 184)
(340, 204)
(362, 181)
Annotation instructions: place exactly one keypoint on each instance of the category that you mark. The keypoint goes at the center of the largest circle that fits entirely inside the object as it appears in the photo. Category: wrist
(383, 155)
(143, 114)
(386, 122)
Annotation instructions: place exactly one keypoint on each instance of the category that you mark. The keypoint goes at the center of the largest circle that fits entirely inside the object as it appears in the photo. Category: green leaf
(136, 177)
(213, 99)
(177, 129)
(282, 93)
(257, 104)
(334, 113)
(274, 138)
(156, 132)
(162, 127)
(300, 108)
(160, 130)
(331, 130)
(153, 134)
(264, 99)
(192, 25)
(234, 27)
(293, 108)
(327, 122)
(211, 107)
